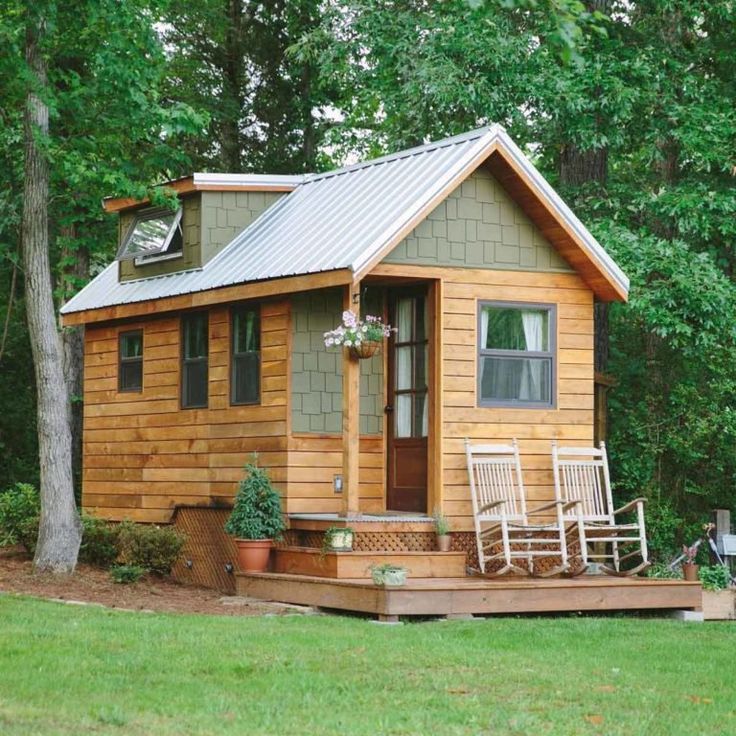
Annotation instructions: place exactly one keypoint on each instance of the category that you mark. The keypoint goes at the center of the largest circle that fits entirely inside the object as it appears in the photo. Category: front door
(408, 402)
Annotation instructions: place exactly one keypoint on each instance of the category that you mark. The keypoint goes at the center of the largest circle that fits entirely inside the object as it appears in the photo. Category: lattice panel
(208, 548)
(541, 565)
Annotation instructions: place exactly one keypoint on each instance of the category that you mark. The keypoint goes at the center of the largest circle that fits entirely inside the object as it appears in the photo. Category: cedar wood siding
(143, 454)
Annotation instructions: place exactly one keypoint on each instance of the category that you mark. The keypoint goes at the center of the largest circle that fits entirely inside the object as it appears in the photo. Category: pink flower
(348, 318)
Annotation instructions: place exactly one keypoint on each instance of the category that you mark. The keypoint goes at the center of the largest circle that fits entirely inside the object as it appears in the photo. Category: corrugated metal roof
(341, 219)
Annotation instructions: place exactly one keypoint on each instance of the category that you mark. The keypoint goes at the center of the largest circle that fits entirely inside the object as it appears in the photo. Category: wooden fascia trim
(610, 290)
(188, 186)
(252, 290)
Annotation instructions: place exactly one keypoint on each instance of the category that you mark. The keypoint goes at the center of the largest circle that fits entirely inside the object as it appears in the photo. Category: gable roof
(350, 218)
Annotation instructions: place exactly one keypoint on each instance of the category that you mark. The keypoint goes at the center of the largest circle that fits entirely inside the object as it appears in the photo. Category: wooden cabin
(204, 339)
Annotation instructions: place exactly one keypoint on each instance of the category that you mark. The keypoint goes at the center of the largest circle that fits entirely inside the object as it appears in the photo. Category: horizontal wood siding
(314, 461)
(570, 421)
(143, 454)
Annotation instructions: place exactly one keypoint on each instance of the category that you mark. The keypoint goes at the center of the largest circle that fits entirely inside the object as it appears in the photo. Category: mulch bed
(94, 586)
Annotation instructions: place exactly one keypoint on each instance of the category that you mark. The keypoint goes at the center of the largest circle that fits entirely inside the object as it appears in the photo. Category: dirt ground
(94, 586)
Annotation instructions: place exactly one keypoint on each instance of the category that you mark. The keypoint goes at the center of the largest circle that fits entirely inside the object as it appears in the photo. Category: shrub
(715, 577)
(18, 505)
(126, 574)
(154, 548)
(28, 534)
(663, 572)
(257, 510)
(99, 542)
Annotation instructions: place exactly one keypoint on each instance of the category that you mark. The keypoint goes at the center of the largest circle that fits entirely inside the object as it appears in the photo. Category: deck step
(454, 596)
(311, 561)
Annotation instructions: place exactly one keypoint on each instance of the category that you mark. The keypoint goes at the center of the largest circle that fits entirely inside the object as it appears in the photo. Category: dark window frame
(161, 253)
(244, 307)
(549, 355)
(184, 361)
(129, 361)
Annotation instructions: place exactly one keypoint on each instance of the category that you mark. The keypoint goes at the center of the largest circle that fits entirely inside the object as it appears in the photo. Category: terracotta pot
(444, 542)
(366, 349)
(253, 554)
(690, 572)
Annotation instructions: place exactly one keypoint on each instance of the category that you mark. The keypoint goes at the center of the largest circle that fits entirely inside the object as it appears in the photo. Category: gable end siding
(479, 226)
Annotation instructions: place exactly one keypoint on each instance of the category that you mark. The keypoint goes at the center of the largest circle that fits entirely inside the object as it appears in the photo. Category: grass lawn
(73, 670)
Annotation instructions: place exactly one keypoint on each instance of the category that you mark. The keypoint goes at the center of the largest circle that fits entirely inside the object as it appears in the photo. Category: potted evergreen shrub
(256, 519)
(442, 529)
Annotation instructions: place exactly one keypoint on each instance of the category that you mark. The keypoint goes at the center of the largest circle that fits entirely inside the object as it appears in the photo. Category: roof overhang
(268, 288)
(202, 182)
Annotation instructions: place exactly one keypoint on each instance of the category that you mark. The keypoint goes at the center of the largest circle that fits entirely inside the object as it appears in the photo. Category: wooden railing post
(351, 415)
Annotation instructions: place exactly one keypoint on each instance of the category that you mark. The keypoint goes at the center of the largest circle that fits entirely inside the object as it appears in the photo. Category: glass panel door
(410, 375)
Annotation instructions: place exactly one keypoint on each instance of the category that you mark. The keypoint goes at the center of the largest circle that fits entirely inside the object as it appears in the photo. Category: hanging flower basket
(366, 349)
(362, 338)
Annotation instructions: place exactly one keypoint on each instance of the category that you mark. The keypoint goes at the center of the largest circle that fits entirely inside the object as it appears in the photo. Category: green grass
(70, 670)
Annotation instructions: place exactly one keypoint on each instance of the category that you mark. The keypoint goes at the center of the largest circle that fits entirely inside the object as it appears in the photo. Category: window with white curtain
(516, 364)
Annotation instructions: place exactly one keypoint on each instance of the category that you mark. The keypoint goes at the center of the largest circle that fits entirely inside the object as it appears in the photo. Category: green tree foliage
(266, 108)
(638, 129)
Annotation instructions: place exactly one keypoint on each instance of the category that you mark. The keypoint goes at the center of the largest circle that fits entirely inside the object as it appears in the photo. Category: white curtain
(483, 339)
(532, 371)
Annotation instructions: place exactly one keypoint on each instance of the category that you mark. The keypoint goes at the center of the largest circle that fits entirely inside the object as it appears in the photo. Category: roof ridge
(407, 152)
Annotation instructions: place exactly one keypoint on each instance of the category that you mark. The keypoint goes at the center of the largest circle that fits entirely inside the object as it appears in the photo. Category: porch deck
(458, 596)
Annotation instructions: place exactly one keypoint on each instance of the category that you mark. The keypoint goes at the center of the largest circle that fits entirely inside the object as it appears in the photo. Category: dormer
(212, 209)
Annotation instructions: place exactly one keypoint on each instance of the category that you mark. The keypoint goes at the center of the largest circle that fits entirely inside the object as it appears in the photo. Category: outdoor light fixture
(337, 483)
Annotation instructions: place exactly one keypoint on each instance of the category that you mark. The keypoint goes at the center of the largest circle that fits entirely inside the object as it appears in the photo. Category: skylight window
(153, 233)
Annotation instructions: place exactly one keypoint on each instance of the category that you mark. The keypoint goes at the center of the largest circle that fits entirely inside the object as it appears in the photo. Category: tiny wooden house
(205, 338)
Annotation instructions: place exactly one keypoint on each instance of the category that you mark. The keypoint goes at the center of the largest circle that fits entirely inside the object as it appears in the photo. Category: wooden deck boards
(453, 596)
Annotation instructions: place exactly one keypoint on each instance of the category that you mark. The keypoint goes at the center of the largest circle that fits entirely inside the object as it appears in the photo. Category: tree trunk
(72, 340)
(232, 82)
(60, 528)
(580, 167)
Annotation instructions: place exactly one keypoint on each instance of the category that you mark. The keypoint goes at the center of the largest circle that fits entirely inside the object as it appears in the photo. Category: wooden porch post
(351, 415)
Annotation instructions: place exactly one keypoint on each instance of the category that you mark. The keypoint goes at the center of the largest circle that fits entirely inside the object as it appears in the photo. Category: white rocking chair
(502, 529)
(581, 474)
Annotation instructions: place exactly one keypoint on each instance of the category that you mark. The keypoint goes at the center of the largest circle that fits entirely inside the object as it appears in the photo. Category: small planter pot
(444, 542)
(389, 578)
(253, 554)
(690, 572)
(365, 350)
(340, 540)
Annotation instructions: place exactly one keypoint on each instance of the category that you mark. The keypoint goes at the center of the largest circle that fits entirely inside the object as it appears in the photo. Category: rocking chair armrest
(490, 506)
(630, 505)
(563, 503)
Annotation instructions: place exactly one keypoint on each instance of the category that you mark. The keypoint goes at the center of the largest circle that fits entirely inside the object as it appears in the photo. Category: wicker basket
(366, 349)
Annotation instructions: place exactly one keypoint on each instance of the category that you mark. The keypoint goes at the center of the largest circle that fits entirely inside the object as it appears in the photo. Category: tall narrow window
(245, 360)
(130, 354)
(516, 365)
(194, 372)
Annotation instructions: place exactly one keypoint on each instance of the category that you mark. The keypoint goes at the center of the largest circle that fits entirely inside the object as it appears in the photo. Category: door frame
(435, 455)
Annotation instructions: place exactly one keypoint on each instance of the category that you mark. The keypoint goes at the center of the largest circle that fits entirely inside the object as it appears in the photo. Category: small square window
(130, 369)
(516, 365)
(154, 232)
